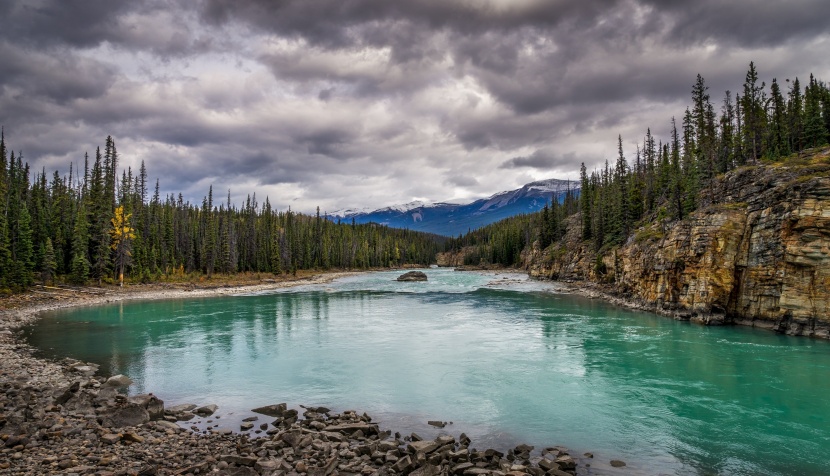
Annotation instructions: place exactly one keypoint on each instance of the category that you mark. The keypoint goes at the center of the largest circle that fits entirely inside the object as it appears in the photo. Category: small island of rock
(413, 276)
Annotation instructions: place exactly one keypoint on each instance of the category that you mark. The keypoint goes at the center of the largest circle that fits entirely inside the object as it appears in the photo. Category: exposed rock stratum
(757, 252)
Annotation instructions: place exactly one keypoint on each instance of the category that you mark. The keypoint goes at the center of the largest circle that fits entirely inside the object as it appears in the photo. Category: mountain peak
(451, 219)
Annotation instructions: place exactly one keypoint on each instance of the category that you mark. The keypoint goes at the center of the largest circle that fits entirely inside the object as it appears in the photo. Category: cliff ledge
(757, 252)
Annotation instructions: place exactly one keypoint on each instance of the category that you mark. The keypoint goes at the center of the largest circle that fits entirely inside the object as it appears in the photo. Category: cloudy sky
(367, 103)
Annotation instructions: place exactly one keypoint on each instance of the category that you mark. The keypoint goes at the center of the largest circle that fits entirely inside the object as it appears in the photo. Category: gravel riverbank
(62, 417)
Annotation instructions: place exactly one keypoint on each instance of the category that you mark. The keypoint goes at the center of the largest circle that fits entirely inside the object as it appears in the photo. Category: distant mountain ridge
(452, 219)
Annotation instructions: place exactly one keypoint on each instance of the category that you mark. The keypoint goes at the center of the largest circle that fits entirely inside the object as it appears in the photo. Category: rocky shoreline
(610, 295)
(59, 417)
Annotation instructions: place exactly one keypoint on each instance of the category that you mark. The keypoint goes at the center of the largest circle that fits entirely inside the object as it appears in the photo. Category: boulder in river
(413, 276)
(272, 410)
(207, 410)
(185, 407)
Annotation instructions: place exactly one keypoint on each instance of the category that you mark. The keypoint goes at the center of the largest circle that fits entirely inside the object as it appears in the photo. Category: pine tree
(545, 237)
(636, 187)
(689, 174)
(702, 118)
(622, 220)
(5, 251)
(825, 107)
(754, 100)
(49, 262)
(726, 150)
(585, 202)
(208, 235)
(650, 153)
(814, 131)
(99, 212)
(776, 142)
(676, 181)
(795, 117)
(23, 251)
(79, 267)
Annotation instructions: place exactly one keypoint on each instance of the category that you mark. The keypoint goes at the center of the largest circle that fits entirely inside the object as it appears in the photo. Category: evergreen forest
(669, 177)
(96, 225)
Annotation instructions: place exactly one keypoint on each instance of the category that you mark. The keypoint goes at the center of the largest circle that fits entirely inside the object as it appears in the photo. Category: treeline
(503, 242)
(668, 178)
(94, 225)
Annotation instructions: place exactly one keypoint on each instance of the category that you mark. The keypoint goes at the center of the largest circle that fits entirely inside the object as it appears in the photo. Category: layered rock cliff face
(757, 252)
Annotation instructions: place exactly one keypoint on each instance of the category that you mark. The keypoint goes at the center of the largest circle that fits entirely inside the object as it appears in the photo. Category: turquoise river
(506, 359)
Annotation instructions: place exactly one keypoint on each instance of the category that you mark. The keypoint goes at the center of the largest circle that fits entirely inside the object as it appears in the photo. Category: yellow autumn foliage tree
(122, 236)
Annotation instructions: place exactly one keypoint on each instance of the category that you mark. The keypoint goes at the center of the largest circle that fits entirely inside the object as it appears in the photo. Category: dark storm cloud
(74, 23)
(381, 101)
(327, 142)
(52, 77)
(540, 159)
(462, 181)
(597, 51)
(746, 23)
(156, 26)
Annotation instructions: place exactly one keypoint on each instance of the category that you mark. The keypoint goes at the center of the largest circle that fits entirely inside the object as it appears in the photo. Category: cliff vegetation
(727, 220)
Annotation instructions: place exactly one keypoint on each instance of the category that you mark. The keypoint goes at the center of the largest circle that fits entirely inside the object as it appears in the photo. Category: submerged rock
(413, 276)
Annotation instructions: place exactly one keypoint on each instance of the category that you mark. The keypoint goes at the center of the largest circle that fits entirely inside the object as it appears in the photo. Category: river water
(506, 359)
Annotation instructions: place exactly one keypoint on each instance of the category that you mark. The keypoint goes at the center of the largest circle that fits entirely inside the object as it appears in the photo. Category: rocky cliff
(757, 252)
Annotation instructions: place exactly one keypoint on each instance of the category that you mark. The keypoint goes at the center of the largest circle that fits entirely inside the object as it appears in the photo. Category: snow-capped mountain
(452, 219)
(347, 212)
(406, 206)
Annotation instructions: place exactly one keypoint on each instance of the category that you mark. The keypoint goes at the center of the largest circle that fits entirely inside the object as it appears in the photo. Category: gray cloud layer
(369, 102)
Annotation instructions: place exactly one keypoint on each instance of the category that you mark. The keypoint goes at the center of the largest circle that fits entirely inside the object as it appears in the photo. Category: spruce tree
(23, 251)
(689, 174)
(622, 220)
(49, 262)
(79, 267)
(776, 142)
(814, 131)
(726, 149)
(650, 152)
(585, 202)
(5, 251)
(676, 181)
(795, 117)
(754, 101)
(636, 188)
